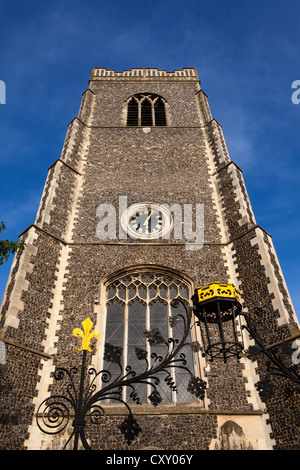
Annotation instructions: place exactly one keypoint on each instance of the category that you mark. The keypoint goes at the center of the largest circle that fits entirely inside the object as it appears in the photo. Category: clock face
(146, 221)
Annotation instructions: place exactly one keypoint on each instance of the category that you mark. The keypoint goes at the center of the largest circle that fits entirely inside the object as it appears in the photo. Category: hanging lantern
(217, 307)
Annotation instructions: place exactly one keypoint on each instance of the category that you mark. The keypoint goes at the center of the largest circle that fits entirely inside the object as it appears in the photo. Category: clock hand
(147, 220)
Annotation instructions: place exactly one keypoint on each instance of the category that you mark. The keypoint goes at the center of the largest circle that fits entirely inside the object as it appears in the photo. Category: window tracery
(146, 110)
(135, 303)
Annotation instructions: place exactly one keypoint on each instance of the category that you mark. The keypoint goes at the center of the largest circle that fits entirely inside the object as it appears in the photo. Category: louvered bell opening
(160, 113)
(132, 113)
(146, 113)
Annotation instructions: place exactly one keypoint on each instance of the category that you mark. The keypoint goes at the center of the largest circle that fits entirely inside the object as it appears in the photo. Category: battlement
(186, 74)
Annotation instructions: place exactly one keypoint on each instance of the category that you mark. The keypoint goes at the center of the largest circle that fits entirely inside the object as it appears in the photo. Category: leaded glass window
(140, 301)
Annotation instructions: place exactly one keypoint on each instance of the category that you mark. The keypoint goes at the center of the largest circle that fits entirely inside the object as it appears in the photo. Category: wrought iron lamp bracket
(218, 304)
(276, 363)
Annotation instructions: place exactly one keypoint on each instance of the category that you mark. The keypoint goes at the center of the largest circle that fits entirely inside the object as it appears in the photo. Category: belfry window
(146, 110)
(132, 113)
(146, 113)
(138, 302)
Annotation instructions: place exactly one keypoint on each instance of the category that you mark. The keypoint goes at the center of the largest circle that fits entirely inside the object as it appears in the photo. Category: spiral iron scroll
(55, 412)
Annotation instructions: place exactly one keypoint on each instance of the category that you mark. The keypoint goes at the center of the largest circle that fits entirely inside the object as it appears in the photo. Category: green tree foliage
(7, 247)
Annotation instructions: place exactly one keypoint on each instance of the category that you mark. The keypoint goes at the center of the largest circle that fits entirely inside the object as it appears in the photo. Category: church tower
(144, 206)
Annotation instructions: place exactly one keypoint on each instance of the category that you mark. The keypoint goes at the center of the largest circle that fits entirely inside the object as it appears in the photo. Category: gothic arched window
(146, 110)
(137, 301)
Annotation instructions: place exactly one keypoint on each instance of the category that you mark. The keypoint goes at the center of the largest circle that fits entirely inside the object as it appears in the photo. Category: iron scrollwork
(54, 412)
(278, 361)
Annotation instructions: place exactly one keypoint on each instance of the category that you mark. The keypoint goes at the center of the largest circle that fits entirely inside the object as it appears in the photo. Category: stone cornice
(144, 243)
(25, 348)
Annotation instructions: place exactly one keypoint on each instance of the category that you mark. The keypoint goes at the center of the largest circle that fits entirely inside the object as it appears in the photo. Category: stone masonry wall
(65, 261)
(165, 165)
(261, 283)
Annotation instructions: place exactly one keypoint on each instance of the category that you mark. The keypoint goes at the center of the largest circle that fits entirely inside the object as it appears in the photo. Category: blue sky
(247, 53)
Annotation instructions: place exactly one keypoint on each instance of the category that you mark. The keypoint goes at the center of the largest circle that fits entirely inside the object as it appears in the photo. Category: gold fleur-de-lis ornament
(86, 335)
